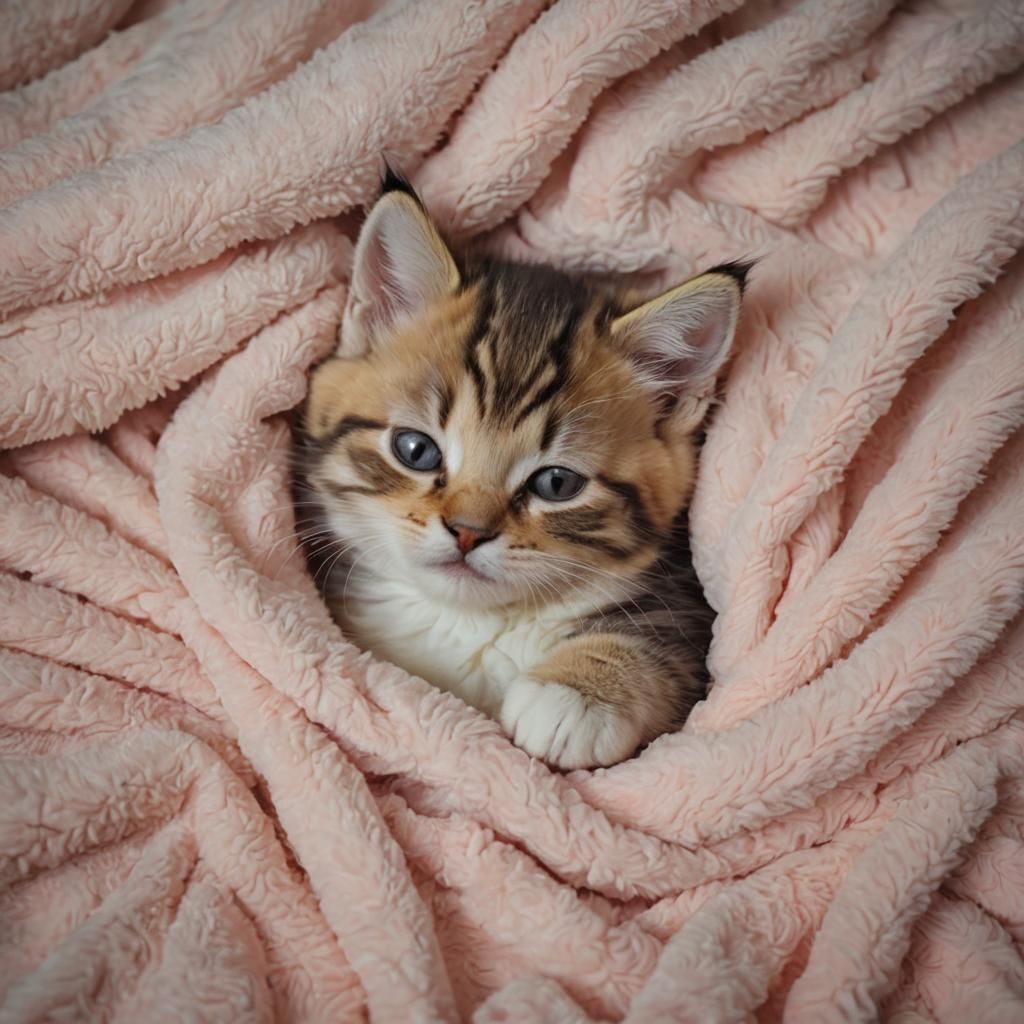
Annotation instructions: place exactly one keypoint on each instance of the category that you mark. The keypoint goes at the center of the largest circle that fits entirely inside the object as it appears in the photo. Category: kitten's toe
(558, 725)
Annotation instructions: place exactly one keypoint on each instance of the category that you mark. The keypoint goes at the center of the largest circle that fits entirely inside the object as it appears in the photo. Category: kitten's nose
(468, 536)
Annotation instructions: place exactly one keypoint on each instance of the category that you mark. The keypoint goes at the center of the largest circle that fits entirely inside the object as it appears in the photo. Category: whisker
(562, 560)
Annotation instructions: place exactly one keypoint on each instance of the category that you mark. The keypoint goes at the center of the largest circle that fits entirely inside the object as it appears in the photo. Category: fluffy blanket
(214, 808)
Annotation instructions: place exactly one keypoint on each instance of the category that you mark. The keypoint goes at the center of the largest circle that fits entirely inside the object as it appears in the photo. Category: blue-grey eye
(416, 450)
(556, 483)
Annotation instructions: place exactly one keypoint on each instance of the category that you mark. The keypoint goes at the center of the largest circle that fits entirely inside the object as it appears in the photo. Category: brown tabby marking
(612, 669)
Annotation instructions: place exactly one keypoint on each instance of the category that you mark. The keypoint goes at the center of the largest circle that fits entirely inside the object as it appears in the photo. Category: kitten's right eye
(416, 450)
(556, 483)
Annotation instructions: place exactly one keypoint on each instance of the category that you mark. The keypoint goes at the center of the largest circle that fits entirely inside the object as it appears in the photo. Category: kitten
(501, 457)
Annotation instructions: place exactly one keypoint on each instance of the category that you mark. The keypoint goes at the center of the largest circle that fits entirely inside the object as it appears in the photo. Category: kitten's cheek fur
(556, 724)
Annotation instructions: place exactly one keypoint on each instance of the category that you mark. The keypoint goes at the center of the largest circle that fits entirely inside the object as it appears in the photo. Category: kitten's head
(499, 433)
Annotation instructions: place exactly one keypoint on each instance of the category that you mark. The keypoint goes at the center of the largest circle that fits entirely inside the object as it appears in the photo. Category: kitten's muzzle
(469, 536)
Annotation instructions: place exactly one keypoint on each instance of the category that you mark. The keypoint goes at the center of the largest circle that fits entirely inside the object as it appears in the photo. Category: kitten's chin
(460, 584)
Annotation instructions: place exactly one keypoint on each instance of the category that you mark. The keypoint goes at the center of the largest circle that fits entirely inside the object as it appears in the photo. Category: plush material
(213, 807)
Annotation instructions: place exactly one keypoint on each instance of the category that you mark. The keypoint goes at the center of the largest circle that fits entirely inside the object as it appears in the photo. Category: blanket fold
(213, 806)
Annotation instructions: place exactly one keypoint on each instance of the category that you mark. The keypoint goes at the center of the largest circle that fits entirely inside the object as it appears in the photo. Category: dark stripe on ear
(395, 181)
(346, 426)
(736, 269)
(604, 315)
(634, 503)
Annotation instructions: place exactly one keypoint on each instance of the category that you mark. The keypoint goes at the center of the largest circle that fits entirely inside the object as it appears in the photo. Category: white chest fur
(475, 654)
(487, 658)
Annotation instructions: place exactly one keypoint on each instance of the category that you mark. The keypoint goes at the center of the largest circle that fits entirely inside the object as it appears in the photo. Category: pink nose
(468, 537)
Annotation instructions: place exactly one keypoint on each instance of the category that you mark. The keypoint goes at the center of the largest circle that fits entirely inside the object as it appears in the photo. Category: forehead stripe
(522, 352)
(445, 405)
(481, 328)
(558, 357)
(551, 425)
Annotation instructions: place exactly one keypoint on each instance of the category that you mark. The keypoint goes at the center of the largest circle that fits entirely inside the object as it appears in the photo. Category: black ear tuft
(736, 269)
(395, 181)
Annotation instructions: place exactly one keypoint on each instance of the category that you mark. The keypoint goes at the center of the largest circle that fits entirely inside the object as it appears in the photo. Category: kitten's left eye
(556, 483)
(416, 450)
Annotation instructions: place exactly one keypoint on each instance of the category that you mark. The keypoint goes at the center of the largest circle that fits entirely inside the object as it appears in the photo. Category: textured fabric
(213, 807)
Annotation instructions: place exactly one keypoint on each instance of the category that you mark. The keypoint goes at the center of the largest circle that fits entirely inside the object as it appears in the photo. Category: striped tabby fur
(447, 543)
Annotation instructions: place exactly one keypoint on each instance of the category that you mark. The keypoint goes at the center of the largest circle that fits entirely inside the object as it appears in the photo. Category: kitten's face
(502, 434)
(492, 473)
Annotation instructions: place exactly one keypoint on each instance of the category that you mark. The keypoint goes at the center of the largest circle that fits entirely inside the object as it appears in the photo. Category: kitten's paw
(558, 725)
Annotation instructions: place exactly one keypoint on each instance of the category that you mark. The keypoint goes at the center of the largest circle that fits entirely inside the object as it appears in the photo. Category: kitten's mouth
(462, 570)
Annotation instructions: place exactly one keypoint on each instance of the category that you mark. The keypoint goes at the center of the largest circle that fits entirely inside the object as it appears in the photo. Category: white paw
(556, 724)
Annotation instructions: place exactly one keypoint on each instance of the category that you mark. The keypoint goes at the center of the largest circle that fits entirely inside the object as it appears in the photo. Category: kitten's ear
(401, 264)
(681, 339)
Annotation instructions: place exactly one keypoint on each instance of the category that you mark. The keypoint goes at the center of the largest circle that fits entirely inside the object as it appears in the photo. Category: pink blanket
(214, 808)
